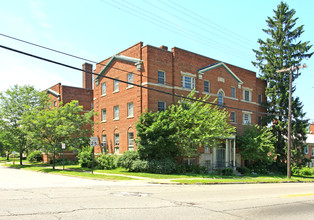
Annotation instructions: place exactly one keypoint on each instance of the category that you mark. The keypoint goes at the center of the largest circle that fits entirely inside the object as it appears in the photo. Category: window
(233, 117)
(187, 82)
(260, 121)
(220, 99)
(259, 99)
(312, 152)
(130, 79)
(206, 86)
(131, 141)
(104, 143)
(247, 95)
(189, 161)
(116, 143)
(306, 149)
(55, 104)
(116, 112)
(161, 77)
(247, 118)
(103, 115)
(161, 106)
(233, 92)
(115, 86)
(130, 109)
(103, 89)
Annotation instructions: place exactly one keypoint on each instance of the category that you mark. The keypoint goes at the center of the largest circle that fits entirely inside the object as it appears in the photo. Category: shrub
(85, 157)
(227, 172)
(106, 162)
(197, 169)
(244, 170)
(139, 166)
(66, 161)
(127, 159)
(305, 171)
(35, 156)
(163, 166)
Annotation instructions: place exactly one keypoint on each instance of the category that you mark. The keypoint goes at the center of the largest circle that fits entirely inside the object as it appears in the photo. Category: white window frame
(234, 93)
(130, 141)
(116, 143)
(159, 109)
(116, 85)
(129, 80)
(220, 98)
(306, 149)
(55, 103)
(130, 110)
(103, 89)
(313, 152)
(162, 77)
(208, 87)
(116, 112)
(235, 117)
(103, 115)
(250, 95)
(104, 142)
(184, 83)
(248, 120)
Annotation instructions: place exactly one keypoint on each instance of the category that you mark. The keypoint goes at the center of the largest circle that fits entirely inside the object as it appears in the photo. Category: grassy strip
(70, 172)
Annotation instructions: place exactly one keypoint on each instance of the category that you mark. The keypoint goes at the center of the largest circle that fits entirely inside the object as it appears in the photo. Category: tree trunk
(8, 156)
(54, 159)
(21, 155)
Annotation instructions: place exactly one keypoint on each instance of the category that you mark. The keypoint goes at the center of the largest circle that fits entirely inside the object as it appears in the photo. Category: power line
(125, 82)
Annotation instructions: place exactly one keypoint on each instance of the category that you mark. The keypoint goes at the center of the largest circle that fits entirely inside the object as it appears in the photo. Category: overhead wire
(134, 84)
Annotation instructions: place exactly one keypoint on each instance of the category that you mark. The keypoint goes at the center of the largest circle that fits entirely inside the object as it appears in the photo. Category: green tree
(283, 49)
(181, 129)
(256, 144)
(15, 102)
(51, 127)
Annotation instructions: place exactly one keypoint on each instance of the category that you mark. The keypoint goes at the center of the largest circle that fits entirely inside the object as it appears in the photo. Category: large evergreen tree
(283, 49)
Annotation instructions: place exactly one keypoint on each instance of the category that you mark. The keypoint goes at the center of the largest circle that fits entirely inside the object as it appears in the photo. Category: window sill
(116, 119)
(129, 87)
(130, 116)
(116, 91)
(104, 121)
(233, 122)
(103, 95)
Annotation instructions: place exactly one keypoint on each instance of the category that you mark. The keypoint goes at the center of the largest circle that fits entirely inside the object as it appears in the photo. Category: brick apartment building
(309, 149)
(65, 94)
(177, 71)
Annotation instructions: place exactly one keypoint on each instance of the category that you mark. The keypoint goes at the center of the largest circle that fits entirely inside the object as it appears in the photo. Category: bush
(127, 159)
(197, 169)
(35, 156)
(106, 162)
(139, 166)
(305, 171)
(244, 170)
(163, 166)
(66, 161)
(227, 172)
(85, 157)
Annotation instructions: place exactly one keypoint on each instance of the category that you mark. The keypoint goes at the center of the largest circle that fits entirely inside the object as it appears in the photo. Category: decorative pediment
(213, 66)
(137, 63)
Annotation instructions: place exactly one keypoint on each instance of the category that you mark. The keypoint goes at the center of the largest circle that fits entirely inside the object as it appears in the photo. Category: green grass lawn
(122, 174)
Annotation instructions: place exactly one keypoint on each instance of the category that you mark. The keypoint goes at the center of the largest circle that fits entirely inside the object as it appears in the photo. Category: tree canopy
(283, 49)
(50, 127)
(181, 129)
(13, 104)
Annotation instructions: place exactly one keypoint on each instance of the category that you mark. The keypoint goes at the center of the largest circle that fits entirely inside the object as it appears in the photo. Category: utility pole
(291, 69)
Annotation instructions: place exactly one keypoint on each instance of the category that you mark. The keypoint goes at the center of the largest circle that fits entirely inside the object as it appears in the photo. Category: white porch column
(226, 153)
(234, 153)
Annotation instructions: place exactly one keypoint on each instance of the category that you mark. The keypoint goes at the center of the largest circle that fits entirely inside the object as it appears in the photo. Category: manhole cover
(137, 194)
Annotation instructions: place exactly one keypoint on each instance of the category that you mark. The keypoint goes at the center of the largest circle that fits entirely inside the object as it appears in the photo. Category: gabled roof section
(54, 93)
(136, 62)
(215, 65)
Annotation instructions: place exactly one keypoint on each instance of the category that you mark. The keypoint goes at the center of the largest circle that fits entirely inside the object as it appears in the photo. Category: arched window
(220, 99)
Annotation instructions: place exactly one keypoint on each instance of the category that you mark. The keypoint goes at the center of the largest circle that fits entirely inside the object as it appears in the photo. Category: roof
(136, 62)
(215, 65)
(310, 138)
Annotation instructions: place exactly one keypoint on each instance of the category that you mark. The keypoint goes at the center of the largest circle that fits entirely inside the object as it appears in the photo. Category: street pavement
(33, 195)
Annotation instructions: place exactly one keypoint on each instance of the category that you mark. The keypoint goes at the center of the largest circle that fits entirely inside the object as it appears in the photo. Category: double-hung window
(306, 149)
(206, 86)
(161, 106)
(233, 92)
(104, 143)
(187, 82)
(247, 118)
(116, 112)
(115, 86)
(233, 116)
(130, 80)
(220, 99)
(247, 95)
(259, 99)
(103, 115)
(161, 77)
(130, 141)
(130, 109)
(103, 89)
(116, 143)
(312, 152)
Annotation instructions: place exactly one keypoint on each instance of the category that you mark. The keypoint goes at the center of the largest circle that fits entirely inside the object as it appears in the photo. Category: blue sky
(226, 30)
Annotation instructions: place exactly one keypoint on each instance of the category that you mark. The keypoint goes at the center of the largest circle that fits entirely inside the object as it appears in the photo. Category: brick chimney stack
(163, 47)
(87, 76)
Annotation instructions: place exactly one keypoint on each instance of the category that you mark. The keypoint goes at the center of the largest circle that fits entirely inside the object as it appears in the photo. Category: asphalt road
(32, 195)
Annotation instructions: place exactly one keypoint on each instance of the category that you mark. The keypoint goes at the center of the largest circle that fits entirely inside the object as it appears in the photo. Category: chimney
(163, 47)
(87, 76)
